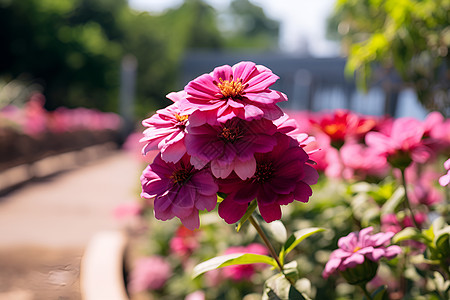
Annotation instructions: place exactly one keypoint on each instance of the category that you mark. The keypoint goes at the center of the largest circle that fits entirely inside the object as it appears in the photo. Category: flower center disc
(180, 176)
(231, 88)
(264, 172)
(230, 135)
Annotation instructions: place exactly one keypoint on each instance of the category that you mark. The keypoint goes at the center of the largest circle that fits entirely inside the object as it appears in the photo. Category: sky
(301, 21)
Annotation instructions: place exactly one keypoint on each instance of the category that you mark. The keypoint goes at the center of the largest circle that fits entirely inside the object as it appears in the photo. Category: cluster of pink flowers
(34, 120)
(225, 133)
(355, 146)
(444, 180)
(149, 273)
(356, 248)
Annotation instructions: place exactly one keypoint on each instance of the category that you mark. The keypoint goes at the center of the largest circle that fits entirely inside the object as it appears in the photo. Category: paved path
(48, 223)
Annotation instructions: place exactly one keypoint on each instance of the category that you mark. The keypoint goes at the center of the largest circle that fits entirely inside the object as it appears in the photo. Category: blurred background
(78, 76)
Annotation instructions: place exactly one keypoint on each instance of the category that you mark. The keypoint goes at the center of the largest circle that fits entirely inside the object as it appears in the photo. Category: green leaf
(251, 208)
(277, 230)
(380, 293)
(278, 287)
(409, 233)
(232, 259)
(392, 203)
(298, 237)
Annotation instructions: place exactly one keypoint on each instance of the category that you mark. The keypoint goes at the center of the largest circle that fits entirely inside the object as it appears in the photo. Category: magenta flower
(244, 272)
(402, 145)
(179, 190)
(360, 161)
(281, 177)
(149, 273)
(355, 248)
(445, 179)
(166, 129)
(240, 91)
(230, 146)
(184, 242)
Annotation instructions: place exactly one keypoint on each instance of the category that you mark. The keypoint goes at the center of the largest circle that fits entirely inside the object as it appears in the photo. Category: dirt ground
(30, 273)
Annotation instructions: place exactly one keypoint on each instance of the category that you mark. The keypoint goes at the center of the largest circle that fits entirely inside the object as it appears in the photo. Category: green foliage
(73, 48)
(412, 36)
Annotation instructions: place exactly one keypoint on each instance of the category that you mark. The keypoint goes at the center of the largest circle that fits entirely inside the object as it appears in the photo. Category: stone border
(101, 274)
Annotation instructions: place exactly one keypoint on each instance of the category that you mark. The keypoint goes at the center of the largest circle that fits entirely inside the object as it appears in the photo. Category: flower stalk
(407, 203)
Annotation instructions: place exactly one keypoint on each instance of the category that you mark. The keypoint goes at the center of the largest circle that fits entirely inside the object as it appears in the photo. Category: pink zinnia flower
(240, 91)
(166, 129)
(281, 177)
(390, 222)
(402, 145)
(359, 161)
(230, 146)
(184, 242)
(149, 273)
(244, 272)
(355, 248)
(445, 179)
(179, 190)
(341, 125)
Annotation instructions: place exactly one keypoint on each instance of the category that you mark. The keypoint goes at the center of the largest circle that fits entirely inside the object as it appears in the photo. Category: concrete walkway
(46, 224)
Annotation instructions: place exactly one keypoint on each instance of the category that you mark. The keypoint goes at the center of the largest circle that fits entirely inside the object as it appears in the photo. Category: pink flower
(230, 146)
(149, 273)
(402, 145)
(445, 179)
(390, 222)
(166, 129)
(197, 295)
(342, 125)
(244, 272)
(281, 177)
(423, 190)
(359, 161)
(355, 248)
(289, 126)
(184, 242)
(179, 190)
(240, 91)
(127, 210)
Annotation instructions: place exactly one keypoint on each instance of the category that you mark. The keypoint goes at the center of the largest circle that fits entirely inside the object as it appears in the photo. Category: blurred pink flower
(244, 272)
(166, 129)
(281, 177)
(391, 223)
(127, 210)
(341, 125)
(239, 91)
(402, 145)
(179, 190)
(355, 248)
(359, 161)
(230, 146)
(445, 179)
(35, 115)
(423, 190)
(184, 242)
(149, 273)
(197, 295)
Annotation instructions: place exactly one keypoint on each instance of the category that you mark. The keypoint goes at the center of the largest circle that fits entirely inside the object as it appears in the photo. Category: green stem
(407, 199)
(366, 293)
(266, 241)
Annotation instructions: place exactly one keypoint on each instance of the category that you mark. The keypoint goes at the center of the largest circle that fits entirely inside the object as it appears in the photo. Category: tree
(412, 36)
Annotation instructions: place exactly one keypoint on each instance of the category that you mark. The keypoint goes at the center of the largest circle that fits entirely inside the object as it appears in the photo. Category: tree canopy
(73, 48)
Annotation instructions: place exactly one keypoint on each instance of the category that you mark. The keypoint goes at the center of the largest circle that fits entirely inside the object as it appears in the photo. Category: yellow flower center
(356, 249)
(231, 88)
(181, 118)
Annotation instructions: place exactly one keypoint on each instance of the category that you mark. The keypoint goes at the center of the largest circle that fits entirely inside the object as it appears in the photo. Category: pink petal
(244, 70)
(270, 212)
(331, 267)
(348, 242)
(191, 221)
(221, 171)
(352, 261)
(392, 251)
(231, 211)
(245, 169)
